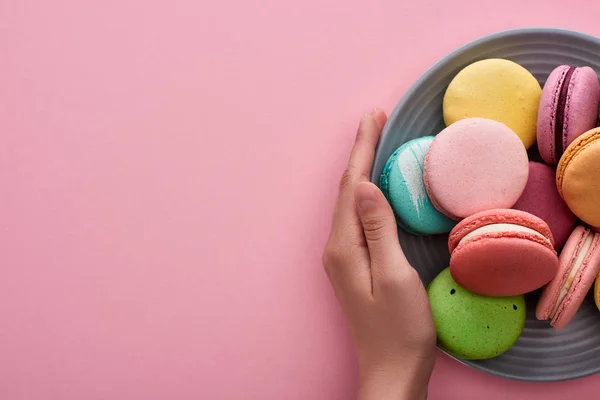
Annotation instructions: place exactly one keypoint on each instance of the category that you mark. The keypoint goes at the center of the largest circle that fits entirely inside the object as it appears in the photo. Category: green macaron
(474, 327)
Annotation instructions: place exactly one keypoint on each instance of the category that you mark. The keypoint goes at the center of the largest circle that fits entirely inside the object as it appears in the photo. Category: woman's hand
(381, 294)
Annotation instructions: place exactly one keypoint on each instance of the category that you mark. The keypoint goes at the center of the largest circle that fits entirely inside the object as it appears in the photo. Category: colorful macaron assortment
(512, 222)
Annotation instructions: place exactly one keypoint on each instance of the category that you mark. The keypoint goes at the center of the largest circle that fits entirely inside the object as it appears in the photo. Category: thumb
(381, 232)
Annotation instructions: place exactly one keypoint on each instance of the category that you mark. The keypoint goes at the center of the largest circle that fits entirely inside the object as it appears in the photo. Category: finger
(381, 233)
(358, 170)
(380, 117)
(347, 257)
(363, 152)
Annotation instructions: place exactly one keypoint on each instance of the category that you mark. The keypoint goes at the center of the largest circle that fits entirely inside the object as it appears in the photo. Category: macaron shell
(581, 110)
(541, 199)
(402, 184)
(474, 165)
(499, 216)
(505, 264)
(490, 89)
(551, 292)
(578, 177)
(547, 114)
(471, 326)
(581, 285)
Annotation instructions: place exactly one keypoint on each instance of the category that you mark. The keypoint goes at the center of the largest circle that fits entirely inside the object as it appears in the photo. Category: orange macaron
(578, 177)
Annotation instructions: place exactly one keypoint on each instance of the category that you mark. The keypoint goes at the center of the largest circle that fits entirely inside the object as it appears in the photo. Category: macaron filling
(560, 113)
(501, 228)
(587, 244)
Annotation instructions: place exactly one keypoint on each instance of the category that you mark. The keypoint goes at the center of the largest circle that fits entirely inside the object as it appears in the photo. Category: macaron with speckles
(470, 326)
(402, 184)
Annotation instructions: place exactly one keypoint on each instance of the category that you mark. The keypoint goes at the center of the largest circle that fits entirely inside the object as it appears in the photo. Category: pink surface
(474, 165)
(541, 199)
(582, 282)
(153, 247)
(580, 111)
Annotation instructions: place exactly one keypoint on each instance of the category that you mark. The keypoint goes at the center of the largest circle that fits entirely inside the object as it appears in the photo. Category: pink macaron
(473, 165)
(502, 253)
(578, 267)
(568, 108)
(541, 198)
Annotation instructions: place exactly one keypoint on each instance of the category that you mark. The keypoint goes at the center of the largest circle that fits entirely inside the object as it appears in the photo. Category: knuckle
(398, 278)
(407, 277)
(332, 256)
(389, 282)
(375, 228)
(361, 137)
(347, 178)
(326, 262)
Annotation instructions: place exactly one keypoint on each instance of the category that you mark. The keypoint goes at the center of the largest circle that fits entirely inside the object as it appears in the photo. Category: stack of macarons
(515, 225)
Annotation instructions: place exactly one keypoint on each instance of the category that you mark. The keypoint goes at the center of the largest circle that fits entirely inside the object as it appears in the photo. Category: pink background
(167, 175)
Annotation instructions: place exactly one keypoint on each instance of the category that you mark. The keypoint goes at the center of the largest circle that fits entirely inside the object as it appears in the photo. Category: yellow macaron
(495, 89)
(597, 291)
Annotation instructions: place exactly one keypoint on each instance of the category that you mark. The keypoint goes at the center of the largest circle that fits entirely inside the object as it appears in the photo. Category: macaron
(597, 291)
(568, 108)
(402, 184)
(502, 253)
(579, 266)
(578, 177)
(541, 199)
(471, 326)
(496, 89)
(473, 165)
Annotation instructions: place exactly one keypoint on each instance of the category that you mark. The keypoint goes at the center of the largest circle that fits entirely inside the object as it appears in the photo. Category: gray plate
(541, 354)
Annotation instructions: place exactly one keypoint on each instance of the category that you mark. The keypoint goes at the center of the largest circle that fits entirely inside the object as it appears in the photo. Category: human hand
(381, 294)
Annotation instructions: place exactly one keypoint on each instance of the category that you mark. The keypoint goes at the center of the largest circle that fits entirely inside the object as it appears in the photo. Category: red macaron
(502, 253)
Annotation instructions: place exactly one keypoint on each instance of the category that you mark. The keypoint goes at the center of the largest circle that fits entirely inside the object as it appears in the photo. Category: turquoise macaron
(402, 184)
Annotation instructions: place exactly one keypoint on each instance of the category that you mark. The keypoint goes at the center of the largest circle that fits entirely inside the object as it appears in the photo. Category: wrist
(400, 382)
(380, 389)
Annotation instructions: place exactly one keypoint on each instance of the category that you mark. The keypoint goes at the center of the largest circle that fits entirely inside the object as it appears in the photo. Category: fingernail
(366, 204)
(365, 197)
(365, 118)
